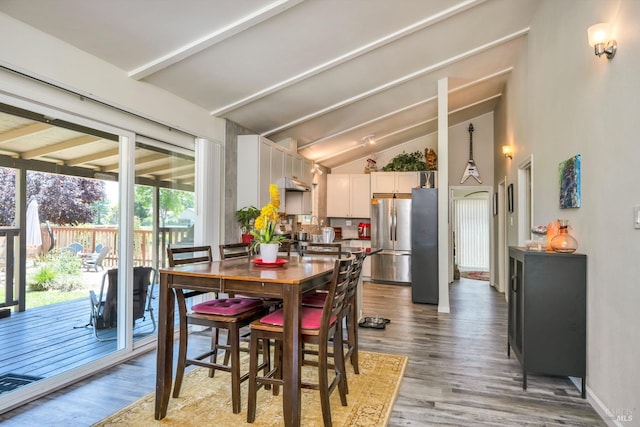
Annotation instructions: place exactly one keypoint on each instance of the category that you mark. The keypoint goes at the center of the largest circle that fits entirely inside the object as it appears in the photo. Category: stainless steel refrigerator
(424, 246)
(391, 232)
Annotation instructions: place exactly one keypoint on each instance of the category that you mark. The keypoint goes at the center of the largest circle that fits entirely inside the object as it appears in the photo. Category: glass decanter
(563, 241)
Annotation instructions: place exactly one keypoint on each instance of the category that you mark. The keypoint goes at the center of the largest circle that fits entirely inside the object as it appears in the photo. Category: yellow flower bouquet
(265, 225)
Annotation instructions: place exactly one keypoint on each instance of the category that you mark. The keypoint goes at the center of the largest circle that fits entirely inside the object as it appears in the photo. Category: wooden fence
(89, 237)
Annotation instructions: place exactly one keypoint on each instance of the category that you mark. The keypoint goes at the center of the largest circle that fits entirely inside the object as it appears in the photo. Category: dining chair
(350, 311)
(230, 314)
(326, 249)
(316, 297)
(320, 326)
(285, 247)
(234, 250)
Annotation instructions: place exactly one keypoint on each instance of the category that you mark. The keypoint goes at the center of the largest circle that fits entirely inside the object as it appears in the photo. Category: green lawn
(36, 299)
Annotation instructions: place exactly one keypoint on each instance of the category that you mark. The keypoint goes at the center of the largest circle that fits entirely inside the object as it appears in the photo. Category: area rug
(476, 275)
(206, 401)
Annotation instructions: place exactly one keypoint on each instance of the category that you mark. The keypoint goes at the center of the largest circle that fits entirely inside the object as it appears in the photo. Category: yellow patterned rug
(207, 401)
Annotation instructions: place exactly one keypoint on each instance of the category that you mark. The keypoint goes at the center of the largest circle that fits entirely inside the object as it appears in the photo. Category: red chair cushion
(226, 306)
(310, 318)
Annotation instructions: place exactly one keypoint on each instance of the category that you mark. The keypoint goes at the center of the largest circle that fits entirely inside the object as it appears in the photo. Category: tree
(62, 199)
(7, 196)
(142, 200)
(172, 202)
(65, 199)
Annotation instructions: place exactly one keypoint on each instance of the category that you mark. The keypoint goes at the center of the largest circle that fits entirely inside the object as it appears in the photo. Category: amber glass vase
(563, 241)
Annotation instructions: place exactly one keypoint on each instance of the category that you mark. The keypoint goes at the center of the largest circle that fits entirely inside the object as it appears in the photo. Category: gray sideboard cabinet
(547, 313)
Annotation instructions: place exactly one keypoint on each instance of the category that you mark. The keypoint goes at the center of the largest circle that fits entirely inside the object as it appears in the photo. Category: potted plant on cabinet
(246, 216)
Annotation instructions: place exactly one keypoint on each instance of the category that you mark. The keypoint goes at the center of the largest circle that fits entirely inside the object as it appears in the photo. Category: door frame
(489, 190)
(502, 237)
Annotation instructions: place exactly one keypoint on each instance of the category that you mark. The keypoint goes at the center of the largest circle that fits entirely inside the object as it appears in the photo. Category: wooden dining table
(288, 282)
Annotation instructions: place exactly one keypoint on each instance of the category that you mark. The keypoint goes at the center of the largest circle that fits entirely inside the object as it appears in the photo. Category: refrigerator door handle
(394, 224)
(391, 228)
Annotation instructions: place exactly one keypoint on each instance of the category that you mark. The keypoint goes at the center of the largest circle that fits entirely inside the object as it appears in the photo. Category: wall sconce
(507, 150)
(368, 140)
(600, 38)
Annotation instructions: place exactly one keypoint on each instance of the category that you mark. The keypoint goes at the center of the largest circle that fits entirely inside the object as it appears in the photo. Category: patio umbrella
(34, 236)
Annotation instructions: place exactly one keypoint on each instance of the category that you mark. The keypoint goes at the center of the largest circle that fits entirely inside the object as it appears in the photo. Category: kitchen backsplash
(348, 231)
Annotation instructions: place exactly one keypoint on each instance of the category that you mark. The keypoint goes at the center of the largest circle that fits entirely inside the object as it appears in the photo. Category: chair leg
(215, 339)
(183, 341)
(352, 334)
(277, 360)
(253, 373)
(340, 365)
(323, 382)
(233, 339)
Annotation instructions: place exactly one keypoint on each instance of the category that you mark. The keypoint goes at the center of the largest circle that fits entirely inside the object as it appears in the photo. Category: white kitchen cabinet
(277, 164)
(394, 182)
(262, 162)
(348, 196)
(289, 160)
(297, 168)
(254, 171)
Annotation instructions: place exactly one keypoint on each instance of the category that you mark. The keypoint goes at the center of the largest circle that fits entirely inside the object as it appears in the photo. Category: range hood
(292, 184)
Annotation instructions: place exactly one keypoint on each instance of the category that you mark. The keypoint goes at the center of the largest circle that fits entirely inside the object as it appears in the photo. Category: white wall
(577, 103)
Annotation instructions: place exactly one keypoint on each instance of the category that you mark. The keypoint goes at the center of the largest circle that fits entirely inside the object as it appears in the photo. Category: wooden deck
(48, 340)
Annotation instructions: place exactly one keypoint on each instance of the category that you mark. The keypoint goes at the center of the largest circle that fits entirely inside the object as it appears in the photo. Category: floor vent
(10, 382)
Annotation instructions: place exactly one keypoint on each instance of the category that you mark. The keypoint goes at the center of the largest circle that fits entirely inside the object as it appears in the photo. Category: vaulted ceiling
(326, 73)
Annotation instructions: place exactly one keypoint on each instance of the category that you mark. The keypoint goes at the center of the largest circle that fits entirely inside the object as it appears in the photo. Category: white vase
(269, 252)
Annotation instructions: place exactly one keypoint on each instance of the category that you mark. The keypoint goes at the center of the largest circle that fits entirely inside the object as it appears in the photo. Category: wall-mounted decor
(510, 197)
(570, 183)
(471, 169)
(495, 204)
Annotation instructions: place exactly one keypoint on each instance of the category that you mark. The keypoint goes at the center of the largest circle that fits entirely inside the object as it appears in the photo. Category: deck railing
(88, 237)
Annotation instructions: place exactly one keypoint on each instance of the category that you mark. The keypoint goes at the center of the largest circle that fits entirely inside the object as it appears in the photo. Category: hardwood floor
(458, 371)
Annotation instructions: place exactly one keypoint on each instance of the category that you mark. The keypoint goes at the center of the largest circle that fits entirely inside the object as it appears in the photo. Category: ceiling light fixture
(507, 151)
(316, 169)
(600, 38)
(369, 140)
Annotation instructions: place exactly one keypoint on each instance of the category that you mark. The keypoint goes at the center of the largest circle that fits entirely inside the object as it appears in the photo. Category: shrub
(43, 279)
(59, 270)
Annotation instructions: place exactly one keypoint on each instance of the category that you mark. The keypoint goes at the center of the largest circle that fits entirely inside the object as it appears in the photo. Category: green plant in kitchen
(406, 162)
(246, 216)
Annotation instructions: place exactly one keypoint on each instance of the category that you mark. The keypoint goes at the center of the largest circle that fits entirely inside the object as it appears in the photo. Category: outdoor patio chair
(104, 308)
(95, 260)
(75, 247)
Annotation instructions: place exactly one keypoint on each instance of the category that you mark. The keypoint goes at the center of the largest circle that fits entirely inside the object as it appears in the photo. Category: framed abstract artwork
(495, 204)
(570, 182)
(510, 206)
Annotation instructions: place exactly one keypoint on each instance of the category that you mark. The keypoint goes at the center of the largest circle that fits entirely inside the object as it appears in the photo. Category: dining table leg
(164, 364)
(291, 357)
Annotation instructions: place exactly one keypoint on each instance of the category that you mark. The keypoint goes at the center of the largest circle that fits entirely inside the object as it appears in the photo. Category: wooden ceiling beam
(23, 131)
(166, 166)
(91, 157)
(64, 145)
(139, 161)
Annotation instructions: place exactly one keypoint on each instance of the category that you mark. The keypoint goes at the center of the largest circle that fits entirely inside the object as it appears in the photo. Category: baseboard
(611, 419)
(444, 308)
